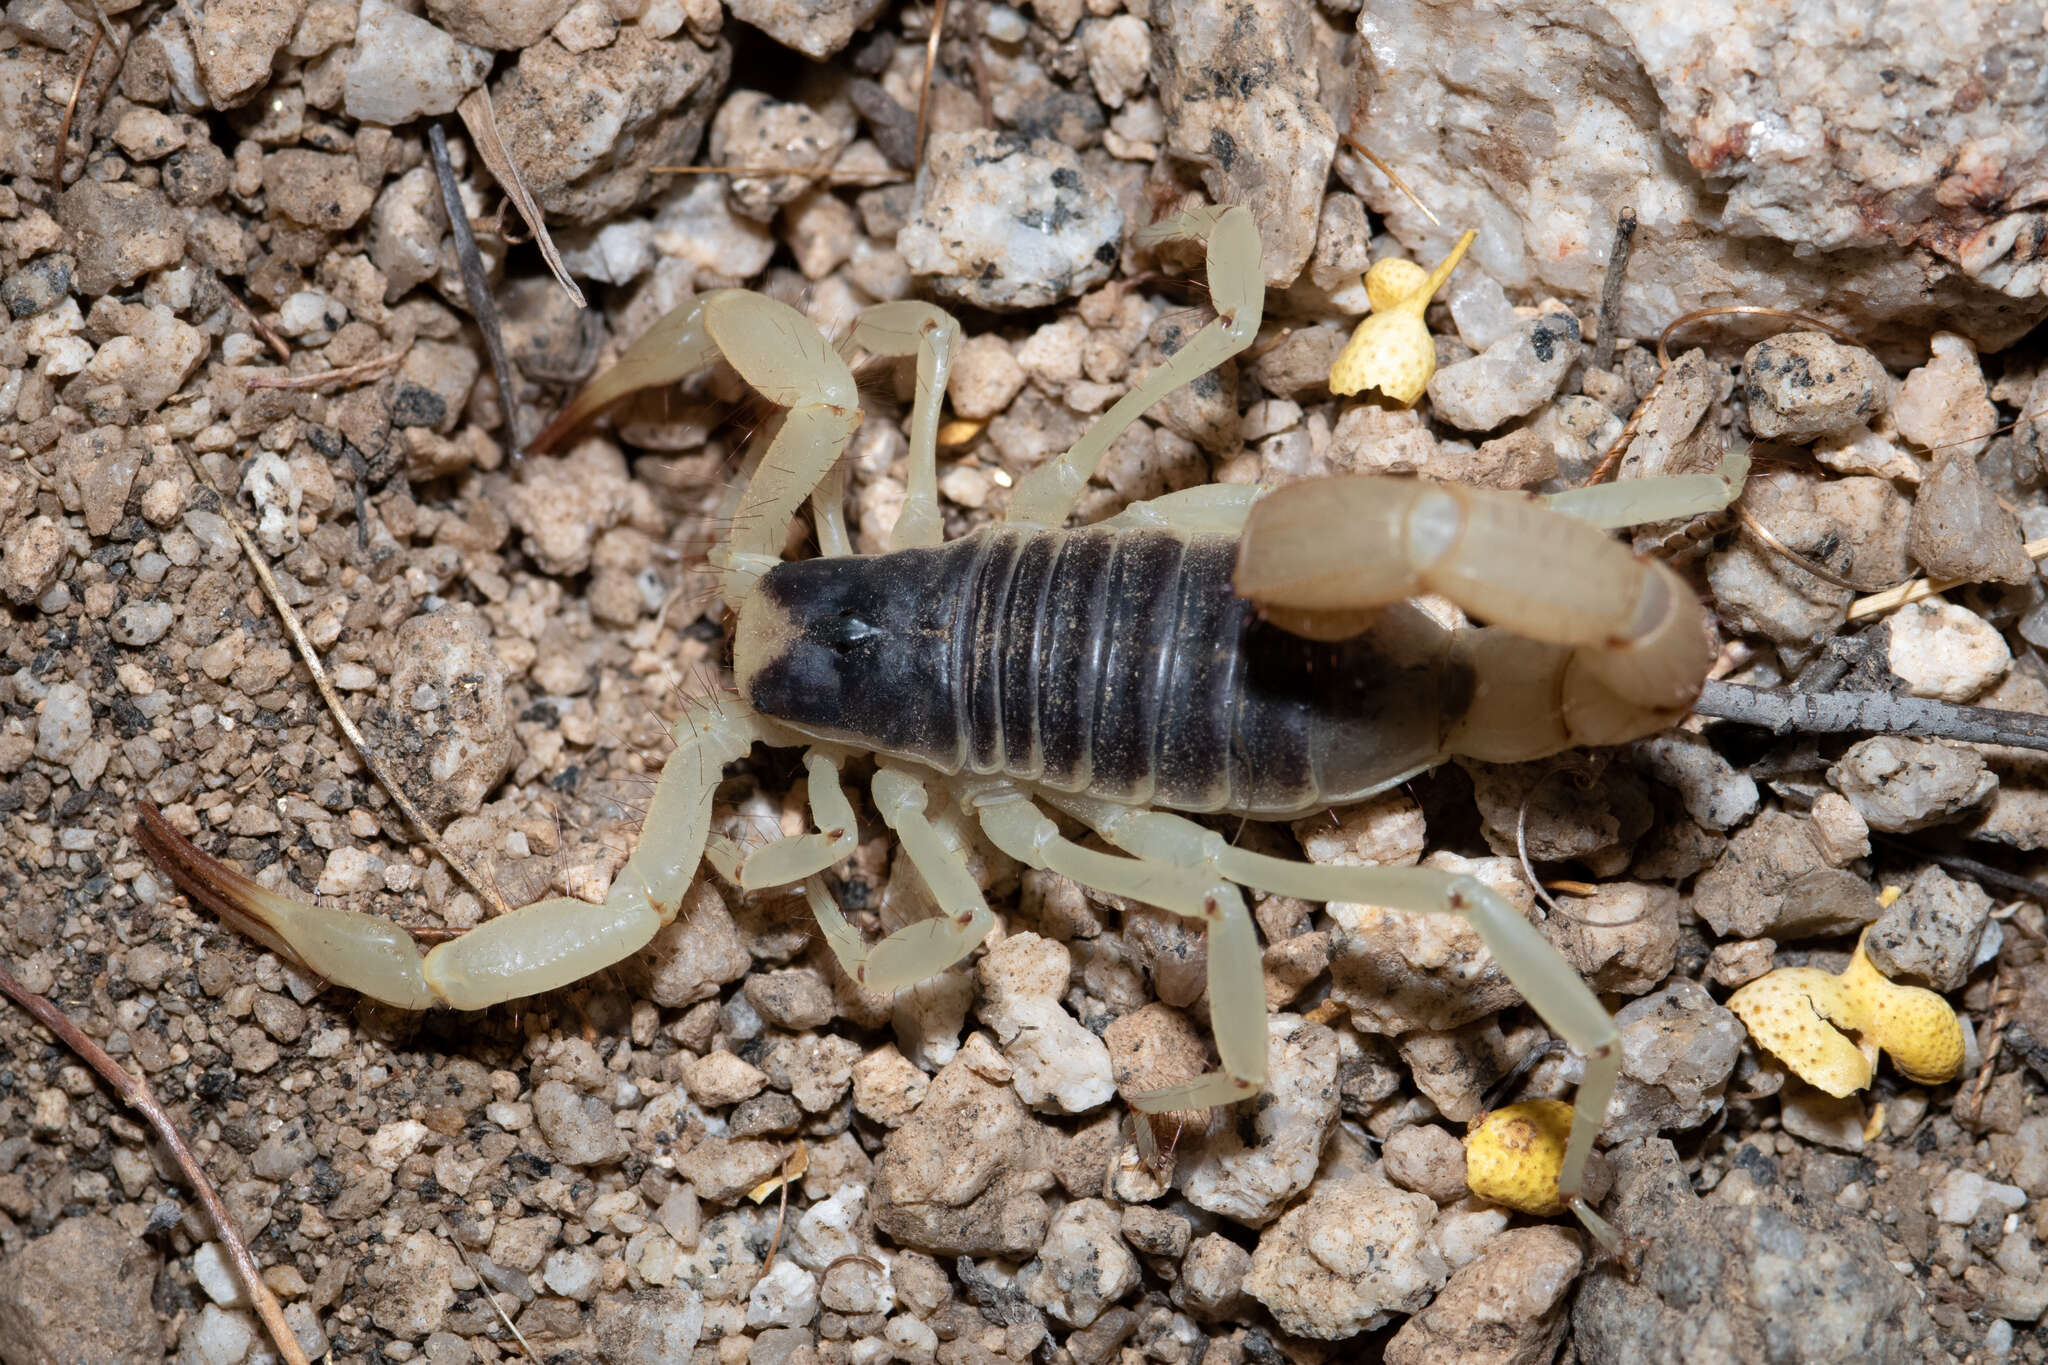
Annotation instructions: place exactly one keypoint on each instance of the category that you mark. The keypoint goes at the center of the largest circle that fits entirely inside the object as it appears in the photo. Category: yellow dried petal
(1789, 1012)
(1396, 283)
(1514, 1155)
(1783, 1011)
(1390, 352)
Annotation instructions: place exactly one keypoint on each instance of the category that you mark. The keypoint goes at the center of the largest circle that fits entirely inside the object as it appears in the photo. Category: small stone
(1083, 1267)
(1119, 52)
(34, 554)
(787, 1296)
(1514, 376)
(1156, 1232)
(1771, 881)
(1252, 1181)
(1963, 1196)
(887, 1087)
(986, 376)
(721, 1170)
(419, 1288)
(37, 287)
(690, 958)
(1959, 530)
(45, 1317)
(796, 998)
(573, 1272)
(1945, 651)
(655, 96)
(1678, 1049)
(236, 42)
(653, 1327)
(721, 1079)
(509, 25)
(816, 28)
(1505, 1308)
(1007, 223)
(148, 134)
(1212, 1274)
(1346, 1261)
(578, 1128)
(1740, 962)
(1623, 937)
(1265, 141)
(1385, 831)
(753, 129)
(1057, 1063)
(217, 1336)
(317, 189)
(1934, 934)
(118, 232)
(1715, 794)
(961, 1178)
(151, 360)
(1839, 830)
(1902, 785)
(1818, 1117)
(64, 725)
(1428, 1159)
(1943, 403)
(1801, 385)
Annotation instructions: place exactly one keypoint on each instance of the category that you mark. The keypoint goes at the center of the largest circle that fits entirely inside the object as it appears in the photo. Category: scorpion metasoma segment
(1205, 652)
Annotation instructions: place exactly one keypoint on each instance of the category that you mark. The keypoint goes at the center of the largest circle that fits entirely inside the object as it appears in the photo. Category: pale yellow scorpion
(1212, 651)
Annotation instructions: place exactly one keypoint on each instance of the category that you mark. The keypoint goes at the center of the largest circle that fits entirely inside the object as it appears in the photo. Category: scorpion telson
(1205, 652)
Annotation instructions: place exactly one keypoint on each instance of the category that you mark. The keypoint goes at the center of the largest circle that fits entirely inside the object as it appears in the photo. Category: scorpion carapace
(1116, 662)
(1105, 672)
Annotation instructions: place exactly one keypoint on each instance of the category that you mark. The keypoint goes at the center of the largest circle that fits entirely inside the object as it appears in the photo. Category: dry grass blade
(345, 375)
(491, 1297)
(924, 86)
(263, 329)
(475, 284)
(877, 176)
(1388, 171)
(481, 119)
(356, 737)
(136, 1094)
(92, 50)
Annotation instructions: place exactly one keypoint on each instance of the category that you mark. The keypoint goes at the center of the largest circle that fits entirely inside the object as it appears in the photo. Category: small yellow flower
(1795, 1013)
(1391, 351)
(1513, 1156)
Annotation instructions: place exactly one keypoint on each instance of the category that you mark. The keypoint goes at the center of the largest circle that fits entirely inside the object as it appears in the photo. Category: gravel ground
(242, 200)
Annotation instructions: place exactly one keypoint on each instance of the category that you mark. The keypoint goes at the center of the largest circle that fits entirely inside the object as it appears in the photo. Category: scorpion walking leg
(786, 861)
(1237, 288)
(1237, 996)
(535, 948)
(912, 328)
(1545, 979)
(1631, 502)
(928, 947)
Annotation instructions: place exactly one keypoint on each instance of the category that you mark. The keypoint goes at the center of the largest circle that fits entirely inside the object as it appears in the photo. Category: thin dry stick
(92, 49)
(1388, 171)
(475, 284)
(136, 1094)
(1915, 589)
(924, 89)
(496, 1307)
(481, 119)
(1610, 288)
(263, 329)
(345, 374)
(384, 777)
(1764, 536)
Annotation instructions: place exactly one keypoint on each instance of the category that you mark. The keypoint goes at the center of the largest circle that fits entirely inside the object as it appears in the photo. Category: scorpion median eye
(842, 631)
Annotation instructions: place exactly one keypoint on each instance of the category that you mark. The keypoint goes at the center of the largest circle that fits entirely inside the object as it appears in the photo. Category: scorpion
(1217, 651)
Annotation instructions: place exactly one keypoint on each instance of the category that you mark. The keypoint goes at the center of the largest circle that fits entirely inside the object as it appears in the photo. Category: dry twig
(136, 1094)
(92, 50)
(1610, 288)
(476, 284)
(322, 378)
(1388, 171)
(1786, 712)
(369, 755)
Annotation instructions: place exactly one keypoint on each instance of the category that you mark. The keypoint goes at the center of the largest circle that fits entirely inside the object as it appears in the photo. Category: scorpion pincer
(1211, 652)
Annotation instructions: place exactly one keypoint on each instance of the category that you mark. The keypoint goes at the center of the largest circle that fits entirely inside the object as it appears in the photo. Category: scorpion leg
(928, 947)
(1632, 502)
(786, 861)
(1556, 992)
(529, 950)
(1237, 996)
(913, 328)
(1237, 288)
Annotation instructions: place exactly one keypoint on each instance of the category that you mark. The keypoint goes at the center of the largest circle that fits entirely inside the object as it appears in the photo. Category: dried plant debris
(227, 263)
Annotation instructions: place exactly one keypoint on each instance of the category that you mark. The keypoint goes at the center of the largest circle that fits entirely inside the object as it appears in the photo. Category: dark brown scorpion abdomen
(1112, 661)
